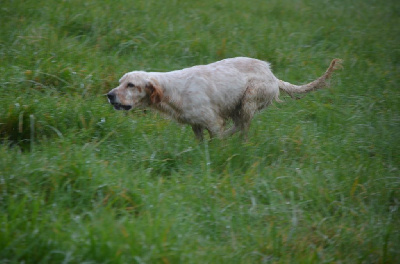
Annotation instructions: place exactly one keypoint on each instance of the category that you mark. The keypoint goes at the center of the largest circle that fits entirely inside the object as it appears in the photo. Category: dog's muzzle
(112, 98)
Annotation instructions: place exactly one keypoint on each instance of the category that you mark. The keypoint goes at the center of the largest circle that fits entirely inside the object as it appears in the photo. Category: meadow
(317, 181)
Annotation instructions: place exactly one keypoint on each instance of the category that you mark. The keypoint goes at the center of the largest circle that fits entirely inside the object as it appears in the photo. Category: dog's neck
(171, 102)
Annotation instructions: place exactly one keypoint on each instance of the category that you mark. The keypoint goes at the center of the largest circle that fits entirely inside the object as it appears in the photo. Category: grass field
(318, 180)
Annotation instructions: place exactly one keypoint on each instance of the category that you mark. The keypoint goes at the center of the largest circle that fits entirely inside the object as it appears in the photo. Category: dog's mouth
(122, 107)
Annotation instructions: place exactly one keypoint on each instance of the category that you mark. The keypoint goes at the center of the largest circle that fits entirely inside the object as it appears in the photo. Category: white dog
(207, 96)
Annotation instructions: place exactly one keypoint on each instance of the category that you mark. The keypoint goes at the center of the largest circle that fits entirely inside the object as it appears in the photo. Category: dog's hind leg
(243, 119)
(215, 127)
(232, 130)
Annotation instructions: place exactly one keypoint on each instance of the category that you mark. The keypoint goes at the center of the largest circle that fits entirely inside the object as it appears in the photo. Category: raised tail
(314, 85)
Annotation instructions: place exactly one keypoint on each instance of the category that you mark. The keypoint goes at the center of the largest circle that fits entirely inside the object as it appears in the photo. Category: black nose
(111, 97)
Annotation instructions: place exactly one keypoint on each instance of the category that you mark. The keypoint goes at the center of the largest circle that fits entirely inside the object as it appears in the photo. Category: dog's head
(135, 90)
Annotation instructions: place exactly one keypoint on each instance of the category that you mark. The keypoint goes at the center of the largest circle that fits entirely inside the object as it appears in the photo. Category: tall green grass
(317, 181)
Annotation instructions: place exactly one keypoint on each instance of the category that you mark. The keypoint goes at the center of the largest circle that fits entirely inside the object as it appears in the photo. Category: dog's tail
(314, 85)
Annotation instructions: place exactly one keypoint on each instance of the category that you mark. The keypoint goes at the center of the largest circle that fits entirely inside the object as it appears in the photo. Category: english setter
(207, 96)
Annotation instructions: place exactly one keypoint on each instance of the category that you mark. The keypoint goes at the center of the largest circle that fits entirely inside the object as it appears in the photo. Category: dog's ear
(155, 91)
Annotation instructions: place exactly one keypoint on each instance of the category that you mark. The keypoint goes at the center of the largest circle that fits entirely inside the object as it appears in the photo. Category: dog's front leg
(198, 132)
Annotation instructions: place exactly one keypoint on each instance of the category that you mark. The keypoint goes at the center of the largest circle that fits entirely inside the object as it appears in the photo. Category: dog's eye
(131, 85)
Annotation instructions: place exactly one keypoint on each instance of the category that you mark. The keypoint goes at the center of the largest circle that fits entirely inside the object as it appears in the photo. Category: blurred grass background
(317, 182)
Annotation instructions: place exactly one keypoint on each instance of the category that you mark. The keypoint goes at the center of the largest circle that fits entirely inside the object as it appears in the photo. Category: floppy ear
(156, 94)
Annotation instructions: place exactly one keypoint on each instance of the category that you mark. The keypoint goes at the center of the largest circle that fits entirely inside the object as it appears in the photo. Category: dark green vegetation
(317, 182)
